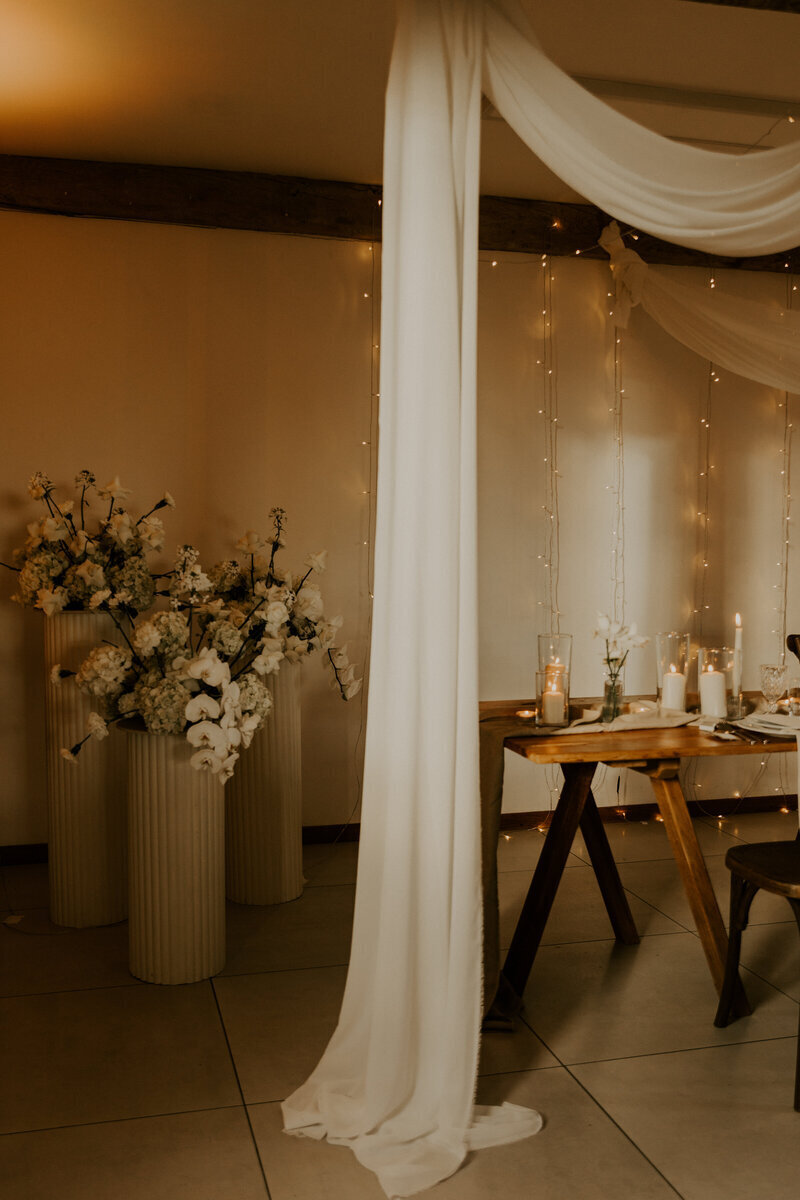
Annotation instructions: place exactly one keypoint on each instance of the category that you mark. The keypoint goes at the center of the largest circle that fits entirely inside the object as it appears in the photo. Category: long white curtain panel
(397, 1080)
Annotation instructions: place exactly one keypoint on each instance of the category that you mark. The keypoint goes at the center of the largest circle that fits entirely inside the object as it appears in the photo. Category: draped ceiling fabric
(397, 1080)
(757, 341)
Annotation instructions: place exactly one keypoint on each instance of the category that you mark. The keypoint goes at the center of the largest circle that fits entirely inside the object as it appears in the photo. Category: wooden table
(657, 754)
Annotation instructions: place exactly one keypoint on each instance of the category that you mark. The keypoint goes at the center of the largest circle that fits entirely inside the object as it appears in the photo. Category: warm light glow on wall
(39, 55)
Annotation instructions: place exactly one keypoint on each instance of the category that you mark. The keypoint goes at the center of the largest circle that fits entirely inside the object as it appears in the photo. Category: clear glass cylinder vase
(613, 698)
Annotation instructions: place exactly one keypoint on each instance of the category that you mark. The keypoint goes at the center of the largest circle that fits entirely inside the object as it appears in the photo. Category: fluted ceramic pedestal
(85, 800)
(176, 862)
(264, 804)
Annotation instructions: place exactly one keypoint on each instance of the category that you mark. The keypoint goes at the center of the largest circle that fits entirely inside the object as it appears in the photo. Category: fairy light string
(549, 413)
(618, 485)
(705, 468)
(785, 452)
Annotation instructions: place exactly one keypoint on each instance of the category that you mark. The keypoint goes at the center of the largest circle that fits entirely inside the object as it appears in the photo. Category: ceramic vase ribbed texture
(85, 800)
(264, 804)
(176, 851)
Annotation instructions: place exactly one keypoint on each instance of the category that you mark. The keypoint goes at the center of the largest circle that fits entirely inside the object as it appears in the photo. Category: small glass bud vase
(672, 666)
(715, 680)
(552, 696)
(613, 694)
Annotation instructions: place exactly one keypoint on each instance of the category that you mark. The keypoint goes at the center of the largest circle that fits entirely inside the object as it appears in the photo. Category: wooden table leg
(546, 878)
(696, 883)
(605, 869)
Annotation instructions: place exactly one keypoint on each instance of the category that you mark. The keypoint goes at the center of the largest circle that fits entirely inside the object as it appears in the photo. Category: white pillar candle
(673, 689)
(713, 702)
(737, 658)
(553, 705)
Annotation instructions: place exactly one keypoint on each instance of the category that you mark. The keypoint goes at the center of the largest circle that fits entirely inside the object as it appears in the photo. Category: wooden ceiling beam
(787, 6)
(245, 200)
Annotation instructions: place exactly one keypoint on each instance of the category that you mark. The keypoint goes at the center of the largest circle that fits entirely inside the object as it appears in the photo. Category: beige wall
(235, 370)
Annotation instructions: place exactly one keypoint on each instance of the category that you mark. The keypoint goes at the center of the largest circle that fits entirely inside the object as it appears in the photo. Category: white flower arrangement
(284, 612)
(190, 669)
(619, 641)
(65, 566)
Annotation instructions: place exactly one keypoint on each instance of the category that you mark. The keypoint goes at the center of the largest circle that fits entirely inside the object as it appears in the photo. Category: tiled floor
(117, 1090)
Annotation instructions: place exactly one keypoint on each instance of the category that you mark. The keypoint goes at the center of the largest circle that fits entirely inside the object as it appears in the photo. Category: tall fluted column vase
(264, 804)
(85, 800)
(176, 850)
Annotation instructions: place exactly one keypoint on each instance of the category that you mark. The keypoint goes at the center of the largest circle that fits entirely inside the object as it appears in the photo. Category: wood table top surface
(684, 741)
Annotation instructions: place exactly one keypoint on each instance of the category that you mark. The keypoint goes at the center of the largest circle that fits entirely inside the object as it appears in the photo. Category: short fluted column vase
(176, 862)
(86, 799)
(264, 804)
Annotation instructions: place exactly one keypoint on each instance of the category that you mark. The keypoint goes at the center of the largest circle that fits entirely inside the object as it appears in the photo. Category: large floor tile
(37, 956)
(519, 850)
(757, 826)
(578, 912)
(659, 884)
(112, 1053)
(644, 841)
(596, 1000)
(773, 952)
(719, 1122)
(189, 1156)
(312, 931)
(578, 1154)
(330, 863)
(278, 1024)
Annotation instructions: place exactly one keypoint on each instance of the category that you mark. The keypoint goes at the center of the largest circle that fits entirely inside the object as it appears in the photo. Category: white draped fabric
(756, 340)
(397, 1080)
(745, 204)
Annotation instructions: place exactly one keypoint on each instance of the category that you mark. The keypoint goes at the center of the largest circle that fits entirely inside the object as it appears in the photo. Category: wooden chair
(775, 867)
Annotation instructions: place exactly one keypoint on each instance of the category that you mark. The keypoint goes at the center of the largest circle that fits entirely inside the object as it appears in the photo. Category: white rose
(121, 528)
(96, 726)
(276, 614)
(54, 529)
(309, 602)
(91, 574)
(51, 602)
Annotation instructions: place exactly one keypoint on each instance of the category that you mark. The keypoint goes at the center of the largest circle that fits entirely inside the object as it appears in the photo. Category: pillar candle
(553, 705)
(673, 689)
(713, 702)
(737, 658)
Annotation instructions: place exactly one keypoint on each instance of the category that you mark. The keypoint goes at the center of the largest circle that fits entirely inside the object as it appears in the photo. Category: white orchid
(202, 707)
(250, 542)
(619, 641)
(318, 561)
(114, 490)
(208, 666)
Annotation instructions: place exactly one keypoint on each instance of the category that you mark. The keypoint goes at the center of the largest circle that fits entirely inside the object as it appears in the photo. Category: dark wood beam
(308, 208)
(790, 6)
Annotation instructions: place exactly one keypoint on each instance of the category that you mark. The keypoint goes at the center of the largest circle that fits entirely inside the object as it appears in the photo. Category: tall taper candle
(737, 659)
